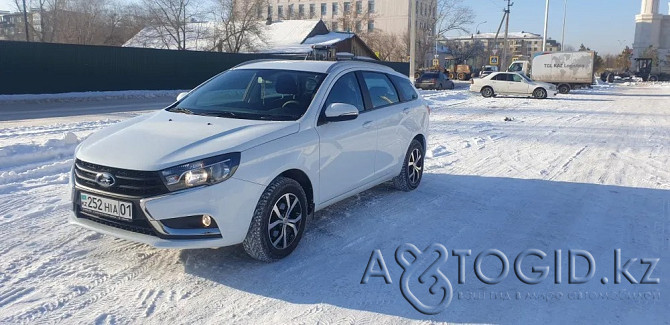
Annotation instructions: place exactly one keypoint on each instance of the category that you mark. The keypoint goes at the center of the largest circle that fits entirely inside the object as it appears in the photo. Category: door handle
(367, 124)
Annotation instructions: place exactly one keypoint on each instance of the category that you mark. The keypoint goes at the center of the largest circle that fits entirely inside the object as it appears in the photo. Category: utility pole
(412, 39)
(25, 20)
(565, 14)
(503, 62)
(546, 23)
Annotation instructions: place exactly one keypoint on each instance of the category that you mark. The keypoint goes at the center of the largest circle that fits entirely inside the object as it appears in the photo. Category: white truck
(566, 70)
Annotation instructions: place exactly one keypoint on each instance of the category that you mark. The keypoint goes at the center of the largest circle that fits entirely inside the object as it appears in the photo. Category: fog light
(206, 220)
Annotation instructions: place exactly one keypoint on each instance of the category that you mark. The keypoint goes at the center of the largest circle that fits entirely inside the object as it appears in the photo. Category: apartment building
(522, 44)
(357, 16)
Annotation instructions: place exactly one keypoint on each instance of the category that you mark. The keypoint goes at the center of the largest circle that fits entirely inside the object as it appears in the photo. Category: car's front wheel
(278, 221)
(487, 92)
(412, 168)
(540, 93)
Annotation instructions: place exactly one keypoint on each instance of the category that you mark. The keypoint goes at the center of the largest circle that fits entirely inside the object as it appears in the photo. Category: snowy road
(584, 171)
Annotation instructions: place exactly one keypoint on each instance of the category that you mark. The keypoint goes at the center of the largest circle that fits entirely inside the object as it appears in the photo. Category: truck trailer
(566, 70)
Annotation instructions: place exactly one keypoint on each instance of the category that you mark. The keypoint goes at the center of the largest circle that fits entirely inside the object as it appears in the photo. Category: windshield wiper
(181, 110)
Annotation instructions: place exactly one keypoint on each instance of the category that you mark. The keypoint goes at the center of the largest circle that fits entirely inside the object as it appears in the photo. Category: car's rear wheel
(278, 221)
(412, 168)
(540, 93)
(487, 92)
(653, 78)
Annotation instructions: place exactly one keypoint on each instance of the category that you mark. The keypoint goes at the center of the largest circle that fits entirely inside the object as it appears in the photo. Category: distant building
(652, 29)
(12, 25)
(288, 37)
(360, 16)
(522, 44)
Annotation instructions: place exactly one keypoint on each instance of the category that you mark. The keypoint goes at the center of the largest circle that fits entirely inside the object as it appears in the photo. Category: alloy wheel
(284, 221)
(415, 166)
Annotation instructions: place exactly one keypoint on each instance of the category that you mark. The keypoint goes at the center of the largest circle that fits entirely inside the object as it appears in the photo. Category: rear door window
(381, 90)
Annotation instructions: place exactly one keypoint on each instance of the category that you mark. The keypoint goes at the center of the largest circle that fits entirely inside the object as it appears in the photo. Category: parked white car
(248, 155)
(511, 83)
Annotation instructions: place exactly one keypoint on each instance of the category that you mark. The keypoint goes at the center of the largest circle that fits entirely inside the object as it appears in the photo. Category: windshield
(258, 94)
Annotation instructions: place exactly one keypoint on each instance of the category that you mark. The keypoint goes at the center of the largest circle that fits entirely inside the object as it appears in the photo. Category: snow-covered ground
(588, 171)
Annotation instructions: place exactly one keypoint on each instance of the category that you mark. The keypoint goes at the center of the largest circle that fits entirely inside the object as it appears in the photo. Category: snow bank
(25, 154)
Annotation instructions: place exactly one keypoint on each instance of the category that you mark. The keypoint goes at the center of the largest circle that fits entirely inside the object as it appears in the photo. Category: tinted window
(516, 77)
(255, 94)
(346, 90)
(500, 77)
(404, 86)
(382, 92)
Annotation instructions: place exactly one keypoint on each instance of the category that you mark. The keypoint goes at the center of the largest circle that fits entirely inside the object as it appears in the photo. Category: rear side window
(405, 88)
(500, 77)
(381, 90)
(346, 90)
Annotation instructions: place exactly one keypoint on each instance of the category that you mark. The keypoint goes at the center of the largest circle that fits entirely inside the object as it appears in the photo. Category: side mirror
(181, 95)
(341, 112)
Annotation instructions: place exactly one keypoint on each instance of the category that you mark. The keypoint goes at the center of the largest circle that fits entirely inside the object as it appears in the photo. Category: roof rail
(350, 58)
(253, 61)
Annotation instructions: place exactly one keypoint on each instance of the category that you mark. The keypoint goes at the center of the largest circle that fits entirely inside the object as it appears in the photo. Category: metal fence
(39, 68)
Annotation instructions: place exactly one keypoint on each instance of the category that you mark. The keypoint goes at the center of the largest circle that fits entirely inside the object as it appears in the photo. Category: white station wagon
(248, 155)
(511, 83)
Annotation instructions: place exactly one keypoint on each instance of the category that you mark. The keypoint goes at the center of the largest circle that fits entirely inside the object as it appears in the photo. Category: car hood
(165, 139)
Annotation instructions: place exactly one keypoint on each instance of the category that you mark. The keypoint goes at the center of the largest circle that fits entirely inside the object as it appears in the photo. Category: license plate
(109, 207)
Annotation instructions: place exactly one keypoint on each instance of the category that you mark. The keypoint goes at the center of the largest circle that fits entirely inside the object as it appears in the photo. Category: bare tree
(239, 27)
(464, 52)
(453, 15)
(169, 19)
(389, 47)
(93, 22)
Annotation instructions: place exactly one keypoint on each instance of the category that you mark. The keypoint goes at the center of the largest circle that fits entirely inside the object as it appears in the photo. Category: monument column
(647, 27)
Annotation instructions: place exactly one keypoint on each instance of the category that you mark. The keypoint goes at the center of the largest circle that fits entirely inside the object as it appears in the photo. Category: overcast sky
(603, 25)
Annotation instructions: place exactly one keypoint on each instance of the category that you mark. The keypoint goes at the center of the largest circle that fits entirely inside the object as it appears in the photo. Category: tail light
(434, 81)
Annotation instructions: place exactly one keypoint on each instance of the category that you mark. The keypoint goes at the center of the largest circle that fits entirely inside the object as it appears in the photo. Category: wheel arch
(422, 139)
(304, 181)
(558, 86)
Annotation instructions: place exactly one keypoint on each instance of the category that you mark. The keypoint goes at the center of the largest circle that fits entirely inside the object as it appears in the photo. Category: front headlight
(203, 172)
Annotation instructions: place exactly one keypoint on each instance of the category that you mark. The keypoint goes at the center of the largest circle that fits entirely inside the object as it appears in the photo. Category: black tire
(258, 243)
(409, 179)
(451, 86)
(653, 78)
(487, 92)
(603, 76)
(540, 93)
(564, 89)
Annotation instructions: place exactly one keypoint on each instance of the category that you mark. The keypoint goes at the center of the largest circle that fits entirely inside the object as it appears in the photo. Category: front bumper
(231, 204)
